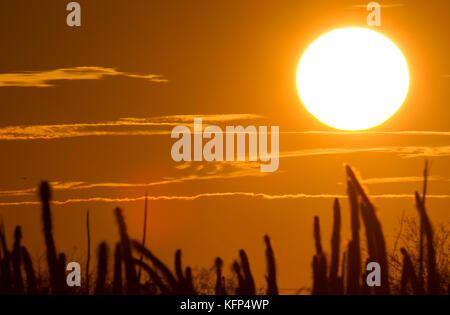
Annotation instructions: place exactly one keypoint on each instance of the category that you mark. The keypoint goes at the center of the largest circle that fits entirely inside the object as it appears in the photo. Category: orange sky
(162, 63)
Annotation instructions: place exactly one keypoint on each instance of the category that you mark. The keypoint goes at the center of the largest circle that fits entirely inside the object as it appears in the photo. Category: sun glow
(352, 78)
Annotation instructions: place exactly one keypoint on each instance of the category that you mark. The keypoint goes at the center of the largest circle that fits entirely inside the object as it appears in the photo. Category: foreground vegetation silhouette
(344, 274)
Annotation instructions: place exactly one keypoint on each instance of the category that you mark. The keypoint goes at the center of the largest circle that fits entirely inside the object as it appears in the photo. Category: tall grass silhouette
(344, 273)
(88, 260)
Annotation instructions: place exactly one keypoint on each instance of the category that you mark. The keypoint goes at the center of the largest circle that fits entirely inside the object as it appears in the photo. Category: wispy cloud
(208, 118)
(393, 5)
(132, 126)
(45, 78)
(122, 127)
(198, 173)
(217, 195)
(402, 151)
(148, 126)
(404, 179)
(238, 170)
(370, 133)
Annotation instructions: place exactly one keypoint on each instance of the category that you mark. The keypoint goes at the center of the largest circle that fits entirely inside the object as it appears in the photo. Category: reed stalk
(102, 269)
(335, 248)
(132, 286)
(117, 280)
(144, 233)
(45, 195)
(271, 277)
(88, 251)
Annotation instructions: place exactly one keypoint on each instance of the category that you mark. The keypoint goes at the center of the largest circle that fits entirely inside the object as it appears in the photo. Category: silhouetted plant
(421, 231)
(61, 274)
(132, 286)
(271, 277)
(180, 284)
(144, 233)
(246, 284)
(220, 285)
(432, 276)
(374, 225)
(188, 287)
(88, 231)
(102, 269)
(184, 283)
(409, 275)
(45, 195)
(343, 273)
(164, 281)
(437, 251)
(6, 277)
(17, 260)
(164, 289)
(334, 281)
(319, 264)
(29, 272)
(354, 252)
(117, 280)
(167, 274)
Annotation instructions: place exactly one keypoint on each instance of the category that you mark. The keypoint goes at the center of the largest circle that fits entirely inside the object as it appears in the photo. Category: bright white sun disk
(352, 78)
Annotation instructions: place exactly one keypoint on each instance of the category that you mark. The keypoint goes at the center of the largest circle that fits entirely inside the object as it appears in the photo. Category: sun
(352, 78)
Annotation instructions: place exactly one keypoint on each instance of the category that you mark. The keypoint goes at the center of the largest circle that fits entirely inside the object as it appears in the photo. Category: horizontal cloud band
(45, 78)
(218, 194)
